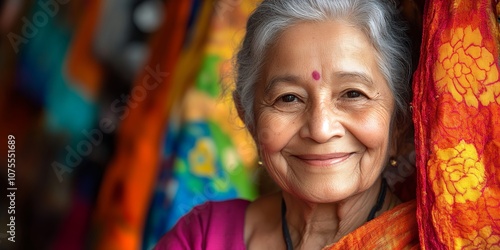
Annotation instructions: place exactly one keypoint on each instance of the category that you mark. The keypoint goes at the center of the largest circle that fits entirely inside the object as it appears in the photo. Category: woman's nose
(322, 124)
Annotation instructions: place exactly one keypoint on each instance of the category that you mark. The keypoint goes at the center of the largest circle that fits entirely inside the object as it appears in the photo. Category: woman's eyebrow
(281, 78)
(353, 76)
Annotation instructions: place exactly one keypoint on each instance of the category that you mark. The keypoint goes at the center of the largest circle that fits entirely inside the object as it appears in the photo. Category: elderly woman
(322, 86)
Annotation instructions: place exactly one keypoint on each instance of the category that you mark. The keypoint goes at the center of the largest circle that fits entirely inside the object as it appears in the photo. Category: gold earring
(260, 163)
(393, 162)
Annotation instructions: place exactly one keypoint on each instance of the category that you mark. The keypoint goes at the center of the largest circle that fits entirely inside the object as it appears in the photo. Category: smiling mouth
(322, 160)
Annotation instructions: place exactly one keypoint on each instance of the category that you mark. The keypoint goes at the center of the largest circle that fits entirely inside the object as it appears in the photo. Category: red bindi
(316, 76)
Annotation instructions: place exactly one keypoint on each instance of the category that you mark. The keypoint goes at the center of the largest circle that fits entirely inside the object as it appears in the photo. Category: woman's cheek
(274, 131)
(372, 128)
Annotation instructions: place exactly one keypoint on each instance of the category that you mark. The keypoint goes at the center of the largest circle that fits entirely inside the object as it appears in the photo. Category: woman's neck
(313, 225)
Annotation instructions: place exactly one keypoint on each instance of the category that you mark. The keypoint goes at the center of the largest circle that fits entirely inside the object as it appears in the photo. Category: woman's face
(323, 112)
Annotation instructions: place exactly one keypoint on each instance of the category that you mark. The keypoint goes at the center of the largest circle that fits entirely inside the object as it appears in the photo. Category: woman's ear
(393, 143)
(401, 140)
(396, 136)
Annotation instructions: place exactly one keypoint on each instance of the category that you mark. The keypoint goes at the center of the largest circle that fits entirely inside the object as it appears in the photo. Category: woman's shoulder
(212, 225)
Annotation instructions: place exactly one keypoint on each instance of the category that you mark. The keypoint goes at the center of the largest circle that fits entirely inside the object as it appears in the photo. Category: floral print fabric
(456, 114)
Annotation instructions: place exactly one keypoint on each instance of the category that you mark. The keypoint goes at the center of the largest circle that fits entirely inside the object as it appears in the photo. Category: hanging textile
(41, 75)
(40, 109)
(83, 68)
(85, 72)
(207, 153)
(127, 186)
(457, 123)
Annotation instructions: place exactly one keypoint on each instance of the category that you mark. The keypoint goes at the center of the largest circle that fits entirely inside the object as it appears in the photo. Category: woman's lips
(324, 159)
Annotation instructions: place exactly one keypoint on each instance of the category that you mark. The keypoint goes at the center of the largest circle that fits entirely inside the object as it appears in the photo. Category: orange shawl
(394, 229)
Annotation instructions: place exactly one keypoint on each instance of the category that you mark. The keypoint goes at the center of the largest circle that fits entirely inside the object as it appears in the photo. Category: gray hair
(378, 19)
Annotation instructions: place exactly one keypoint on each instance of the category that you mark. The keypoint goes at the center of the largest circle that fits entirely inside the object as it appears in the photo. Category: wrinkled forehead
(322, 47)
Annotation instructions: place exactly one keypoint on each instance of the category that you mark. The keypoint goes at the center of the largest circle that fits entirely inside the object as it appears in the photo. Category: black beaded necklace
(375, 209)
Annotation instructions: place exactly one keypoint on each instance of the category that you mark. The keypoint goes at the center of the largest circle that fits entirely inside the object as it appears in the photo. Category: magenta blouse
(213, 225)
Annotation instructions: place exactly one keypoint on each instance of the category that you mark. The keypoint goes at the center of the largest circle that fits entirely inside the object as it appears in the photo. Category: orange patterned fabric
(457, 125)
(394, 229)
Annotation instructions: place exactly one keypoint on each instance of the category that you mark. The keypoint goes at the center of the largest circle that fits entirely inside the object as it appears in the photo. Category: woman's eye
(288, 98)
(353, 94)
